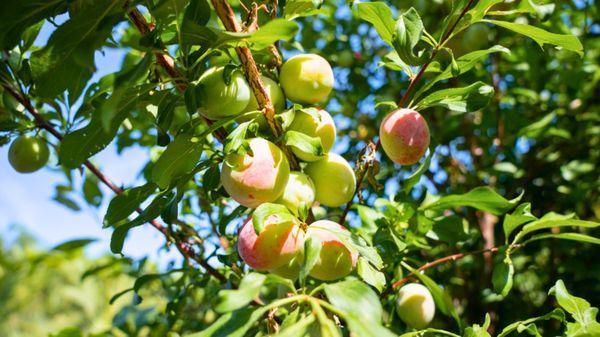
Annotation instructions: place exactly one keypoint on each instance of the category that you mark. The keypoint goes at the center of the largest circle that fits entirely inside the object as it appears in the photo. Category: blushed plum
(275, 246)
(404, 136)
(335, 259)
(258, 176)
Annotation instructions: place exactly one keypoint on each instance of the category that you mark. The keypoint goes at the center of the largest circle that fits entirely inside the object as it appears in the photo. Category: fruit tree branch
(363, 169)
(184, 248)
(166, 62)
(229, 20)
(445, 259)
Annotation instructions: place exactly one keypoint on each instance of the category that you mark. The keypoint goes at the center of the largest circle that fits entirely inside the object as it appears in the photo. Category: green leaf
(91, 191)
(464, 63)
(542, 37)
(451, 229)
(407, 34)
(180, 158)
(299, 8)
(274, 214)
(581, 310)
(122, 205)
(479, 331)
(521, 215)
(465, 99)
(370, 275)
(232, 324)
(307, 145)
(355, 298)
(565, 236)
(556, 314)
(299, 329)
(73, 245)
(415, 177)
(358, 244)
(481, 198)
(380, 16)
(151, 212)
(273, 31)
(249, 289)
(67, 60)
(312, 252)
(17, 16)
(236, 139)
(545, 223)
(79, 145)
(198, 12)
(502, 277)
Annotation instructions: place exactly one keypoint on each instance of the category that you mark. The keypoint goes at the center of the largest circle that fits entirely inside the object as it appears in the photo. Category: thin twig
(167, 63)
(445, 259)
(185, 249)
(363, 169)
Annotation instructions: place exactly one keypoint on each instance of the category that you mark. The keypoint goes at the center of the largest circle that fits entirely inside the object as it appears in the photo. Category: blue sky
(26, 199)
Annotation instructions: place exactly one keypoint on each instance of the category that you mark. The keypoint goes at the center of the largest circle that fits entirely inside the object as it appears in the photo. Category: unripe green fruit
(28, 154)
(306, 79)
(299, 194)
(220, 100)
(275, 246)
(334, 180)
(335, 259)
(404, 136)
(257, 177)
(415, 305)
(318, 124)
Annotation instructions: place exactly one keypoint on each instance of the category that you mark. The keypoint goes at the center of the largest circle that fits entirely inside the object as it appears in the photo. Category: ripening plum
(415, 305)
(404, 136)
(306, 79)
(28, 154)
(217, 98)
(318, 123)
(258, 176)
(335, 259)
(334, 180)
(299, 194)
(275, 246)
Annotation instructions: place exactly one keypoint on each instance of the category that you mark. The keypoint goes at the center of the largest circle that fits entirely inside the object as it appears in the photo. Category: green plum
(306, 79)
(334, 179)
(28, 154)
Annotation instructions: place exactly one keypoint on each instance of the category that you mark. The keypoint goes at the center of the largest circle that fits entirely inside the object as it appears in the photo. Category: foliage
(503, 208)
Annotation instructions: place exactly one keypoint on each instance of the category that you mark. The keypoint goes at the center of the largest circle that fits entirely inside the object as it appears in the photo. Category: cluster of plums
(263, 175)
